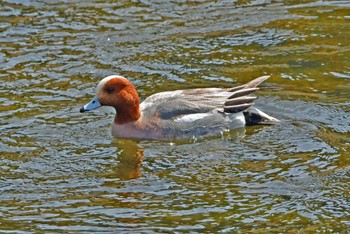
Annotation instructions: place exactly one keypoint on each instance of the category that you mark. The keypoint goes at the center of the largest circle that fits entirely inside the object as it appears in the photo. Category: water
(62, 171)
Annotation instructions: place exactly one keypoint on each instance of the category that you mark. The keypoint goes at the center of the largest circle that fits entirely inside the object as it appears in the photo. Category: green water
(61, 171)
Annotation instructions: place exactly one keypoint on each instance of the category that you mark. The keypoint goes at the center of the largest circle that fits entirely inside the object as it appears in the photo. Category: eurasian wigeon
(178, 114)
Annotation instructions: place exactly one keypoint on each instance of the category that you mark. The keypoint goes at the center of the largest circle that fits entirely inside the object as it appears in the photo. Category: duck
(178, 114)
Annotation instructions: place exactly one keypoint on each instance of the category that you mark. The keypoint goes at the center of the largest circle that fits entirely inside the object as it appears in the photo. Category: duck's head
(118, 92)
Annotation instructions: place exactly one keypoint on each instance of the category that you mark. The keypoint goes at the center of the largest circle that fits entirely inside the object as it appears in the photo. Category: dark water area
(61, 171)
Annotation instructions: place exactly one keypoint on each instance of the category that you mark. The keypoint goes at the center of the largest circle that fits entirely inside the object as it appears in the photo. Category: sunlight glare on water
(62, 170)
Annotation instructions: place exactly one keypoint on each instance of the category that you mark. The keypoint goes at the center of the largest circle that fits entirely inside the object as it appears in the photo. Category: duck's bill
(93, 104)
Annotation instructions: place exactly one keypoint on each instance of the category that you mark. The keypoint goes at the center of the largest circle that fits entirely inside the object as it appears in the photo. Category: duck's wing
(173, 104)
(176, 104)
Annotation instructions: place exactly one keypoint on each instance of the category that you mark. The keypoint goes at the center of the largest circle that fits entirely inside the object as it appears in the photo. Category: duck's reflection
(131, 153)
(130, 159)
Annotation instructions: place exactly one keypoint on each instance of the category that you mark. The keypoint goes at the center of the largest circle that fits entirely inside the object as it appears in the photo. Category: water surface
(62, 171)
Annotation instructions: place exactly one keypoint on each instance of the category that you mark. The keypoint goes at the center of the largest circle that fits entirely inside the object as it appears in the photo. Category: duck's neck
(127, 114)
(127, 106)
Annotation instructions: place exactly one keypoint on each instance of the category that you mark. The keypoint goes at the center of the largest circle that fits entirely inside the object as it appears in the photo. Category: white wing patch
(191, 117)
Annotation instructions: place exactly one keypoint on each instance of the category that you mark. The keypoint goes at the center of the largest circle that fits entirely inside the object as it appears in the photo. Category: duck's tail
(254, 116)
(241, 100)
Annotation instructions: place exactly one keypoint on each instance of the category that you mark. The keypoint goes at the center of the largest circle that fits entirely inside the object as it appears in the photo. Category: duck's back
(176, 104)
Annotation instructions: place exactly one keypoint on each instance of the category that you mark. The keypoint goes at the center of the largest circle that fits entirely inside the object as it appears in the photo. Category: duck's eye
(110, 90)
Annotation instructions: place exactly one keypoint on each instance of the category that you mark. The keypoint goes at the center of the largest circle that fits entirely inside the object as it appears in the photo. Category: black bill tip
(82, 110)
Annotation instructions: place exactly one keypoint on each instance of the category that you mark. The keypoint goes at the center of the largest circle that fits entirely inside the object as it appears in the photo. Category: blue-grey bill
(93, 104)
